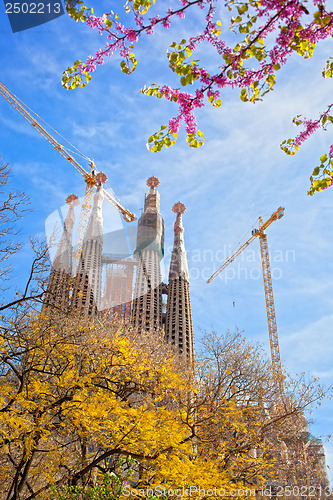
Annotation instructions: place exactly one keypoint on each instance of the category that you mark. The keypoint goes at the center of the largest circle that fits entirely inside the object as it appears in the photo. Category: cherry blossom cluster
(322, 176)
(281, 21)
(121, 38)
(310, 126)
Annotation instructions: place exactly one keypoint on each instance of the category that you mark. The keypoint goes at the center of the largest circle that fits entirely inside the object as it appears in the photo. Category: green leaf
(243, 95)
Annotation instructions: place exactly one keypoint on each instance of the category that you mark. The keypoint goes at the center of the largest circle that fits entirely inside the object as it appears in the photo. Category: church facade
(143, 306)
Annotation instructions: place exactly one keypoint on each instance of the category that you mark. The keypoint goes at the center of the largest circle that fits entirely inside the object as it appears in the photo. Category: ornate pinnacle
(153, 182)
(101, 178)
(179, 208)
(72, 198)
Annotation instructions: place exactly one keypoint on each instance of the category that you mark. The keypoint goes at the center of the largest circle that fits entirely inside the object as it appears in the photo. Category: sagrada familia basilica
(107, 286)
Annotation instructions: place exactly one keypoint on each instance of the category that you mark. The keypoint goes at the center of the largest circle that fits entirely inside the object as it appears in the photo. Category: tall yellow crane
(89, 177)
(266, 271)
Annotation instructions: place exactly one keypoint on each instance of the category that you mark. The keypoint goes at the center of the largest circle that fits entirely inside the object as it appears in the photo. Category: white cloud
(311, 346)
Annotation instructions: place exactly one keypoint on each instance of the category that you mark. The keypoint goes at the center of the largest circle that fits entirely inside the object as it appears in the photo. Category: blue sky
(239, 175)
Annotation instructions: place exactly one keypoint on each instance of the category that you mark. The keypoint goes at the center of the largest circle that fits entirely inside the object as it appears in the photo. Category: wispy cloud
(311, 346)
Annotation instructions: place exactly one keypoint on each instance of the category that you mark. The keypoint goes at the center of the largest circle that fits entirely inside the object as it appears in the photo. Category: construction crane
(266, 271)
(89, 177)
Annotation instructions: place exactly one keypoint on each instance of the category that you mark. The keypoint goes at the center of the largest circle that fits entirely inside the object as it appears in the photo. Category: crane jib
(14, 101)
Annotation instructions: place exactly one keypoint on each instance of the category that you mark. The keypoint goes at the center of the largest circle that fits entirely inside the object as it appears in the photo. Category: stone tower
(59, 285)
(147, 302)
(87, 283)
(179, 328)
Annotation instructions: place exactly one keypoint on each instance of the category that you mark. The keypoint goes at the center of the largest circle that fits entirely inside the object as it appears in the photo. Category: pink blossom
(120, 27)
(139, 20)
(174, 124)
(99, 57)
(125, 52)
(131, 35)
(166, 23)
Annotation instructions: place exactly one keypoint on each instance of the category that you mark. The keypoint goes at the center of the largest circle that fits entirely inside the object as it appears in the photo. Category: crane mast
(266, 270)
(89, 177)
(270, 308)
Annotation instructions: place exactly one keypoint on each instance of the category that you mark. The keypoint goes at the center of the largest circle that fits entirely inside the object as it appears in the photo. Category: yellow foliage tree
(80, 397)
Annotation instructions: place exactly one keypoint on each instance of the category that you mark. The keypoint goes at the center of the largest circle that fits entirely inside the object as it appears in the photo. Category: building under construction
(127, 289)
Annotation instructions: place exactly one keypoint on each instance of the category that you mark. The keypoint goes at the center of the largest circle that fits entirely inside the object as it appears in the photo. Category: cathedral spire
(58, 288)
(147, 303)
(179, 328)
(87, 288)
(178, 265)
(63, 258)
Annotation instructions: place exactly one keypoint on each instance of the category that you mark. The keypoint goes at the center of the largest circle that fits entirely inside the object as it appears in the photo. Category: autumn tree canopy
(82, 398)
(266, 33)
